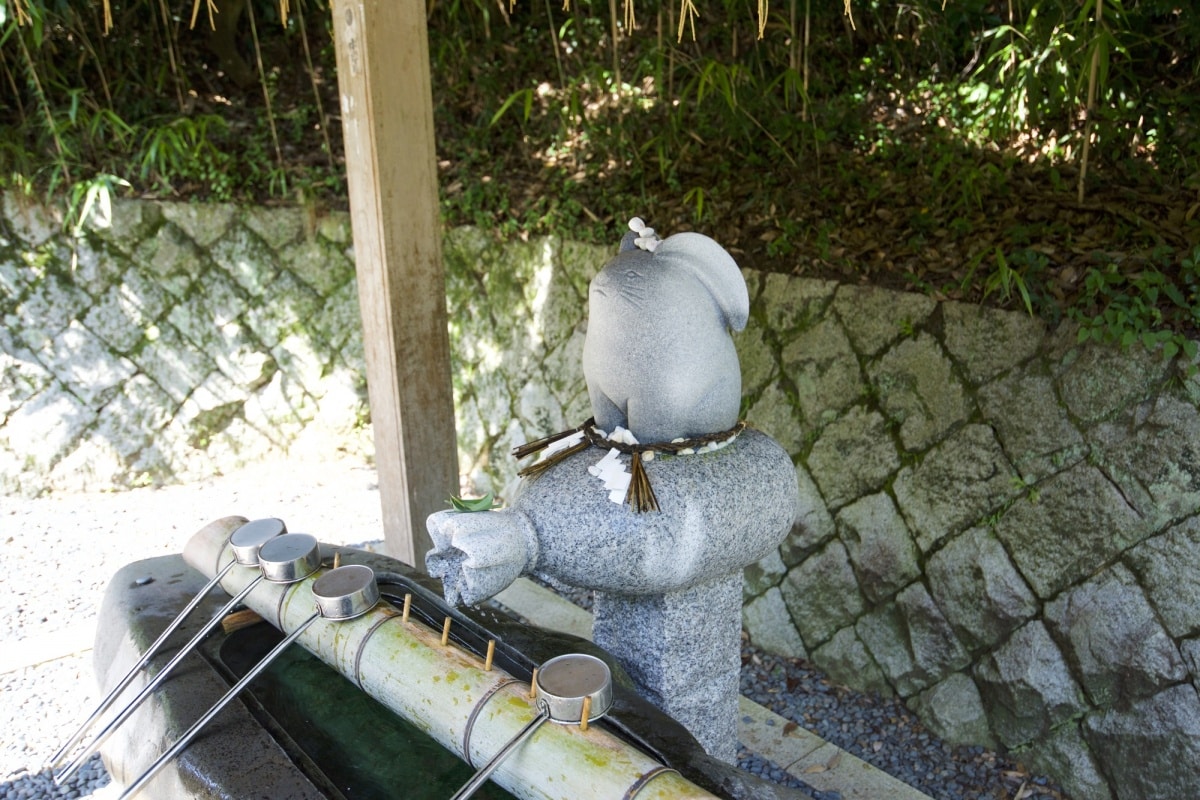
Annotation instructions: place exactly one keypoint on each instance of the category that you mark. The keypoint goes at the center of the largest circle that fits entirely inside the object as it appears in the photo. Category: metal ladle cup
(282, 559)
(245, 542)
(341, 594)
(569, 689)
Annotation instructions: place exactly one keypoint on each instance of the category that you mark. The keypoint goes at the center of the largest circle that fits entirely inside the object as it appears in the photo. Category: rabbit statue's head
(659, 359)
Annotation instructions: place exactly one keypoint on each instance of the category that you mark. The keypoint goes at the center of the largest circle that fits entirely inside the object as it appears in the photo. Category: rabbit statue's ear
(628, 242)
(715, 268)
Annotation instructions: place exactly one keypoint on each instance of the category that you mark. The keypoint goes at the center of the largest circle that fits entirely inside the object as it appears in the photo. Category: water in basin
(331, 728)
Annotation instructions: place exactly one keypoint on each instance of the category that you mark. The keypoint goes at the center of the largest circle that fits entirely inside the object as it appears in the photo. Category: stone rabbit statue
(658, 358)
(659, 362)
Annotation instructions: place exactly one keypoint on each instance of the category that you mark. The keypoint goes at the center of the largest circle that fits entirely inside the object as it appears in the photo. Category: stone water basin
(303, 730)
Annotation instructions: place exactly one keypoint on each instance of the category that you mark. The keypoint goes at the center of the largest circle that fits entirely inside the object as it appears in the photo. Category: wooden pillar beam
(387, 120)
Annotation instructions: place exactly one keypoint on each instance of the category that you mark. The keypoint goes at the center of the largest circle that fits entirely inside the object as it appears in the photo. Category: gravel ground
(58, 553)
(882, 732)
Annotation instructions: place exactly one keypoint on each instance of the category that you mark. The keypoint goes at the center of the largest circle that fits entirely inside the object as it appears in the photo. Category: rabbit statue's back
(659, 359)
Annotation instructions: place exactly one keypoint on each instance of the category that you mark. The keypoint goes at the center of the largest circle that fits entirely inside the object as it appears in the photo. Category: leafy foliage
(1153, 307)
(152, 103)
(922, 146)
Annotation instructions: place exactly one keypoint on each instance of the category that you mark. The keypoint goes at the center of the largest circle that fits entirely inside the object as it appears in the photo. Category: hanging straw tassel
(641, 494)
(533, 470)
(538, 445)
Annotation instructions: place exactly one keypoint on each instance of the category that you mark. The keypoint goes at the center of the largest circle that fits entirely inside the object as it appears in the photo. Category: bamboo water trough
(450, 694)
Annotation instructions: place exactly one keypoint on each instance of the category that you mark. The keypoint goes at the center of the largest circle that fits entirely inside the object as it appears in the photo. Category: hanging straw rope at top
(688, 13)
(212, 9)
(284, 11)
(22, 15)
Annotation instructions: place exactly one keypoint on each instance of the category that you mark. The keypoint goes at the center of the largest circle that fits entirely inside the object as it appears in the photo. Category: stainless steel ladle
(283, 559)
(245, 542)
(341, 594)
(570, 689)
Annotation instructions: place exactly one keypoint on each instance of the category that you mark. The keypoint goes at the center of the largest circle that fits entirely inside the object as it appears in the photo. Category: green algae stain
(519, 702)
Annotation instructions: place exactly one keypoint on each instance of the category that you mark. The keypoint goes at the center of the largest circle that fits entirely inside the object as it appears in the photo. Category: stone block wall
(180, 341)
(517, 322)
(995, 523)
(998, 524)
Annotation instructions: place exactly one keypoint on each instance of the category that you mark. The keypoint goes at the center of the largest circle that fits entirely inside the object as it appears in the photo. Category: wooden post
(387, 121)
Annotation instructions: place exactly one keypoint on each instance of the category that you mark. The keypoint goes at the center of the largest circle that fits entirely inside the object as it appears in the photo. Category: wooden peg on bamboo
(407, 607)
(337, 559)
(240, 619)
(585, 713)
(491, 655)
(445, 632)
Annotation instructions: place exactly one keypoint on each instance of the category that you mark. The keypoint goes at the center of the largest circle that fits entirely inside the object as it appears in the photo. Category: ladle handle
(487, 769)
(191, 732)
(136, 668)
(158, 678)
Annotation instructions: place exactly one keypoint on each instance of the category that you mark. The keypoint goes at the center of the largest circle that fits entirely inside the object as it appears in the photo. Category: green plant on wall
(90, 201)
(1153, 307)
(1004, 280)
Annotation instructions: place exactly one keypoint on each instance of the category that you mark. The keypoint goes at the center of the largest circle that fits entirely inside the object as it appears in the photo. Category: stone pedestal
(683, 651)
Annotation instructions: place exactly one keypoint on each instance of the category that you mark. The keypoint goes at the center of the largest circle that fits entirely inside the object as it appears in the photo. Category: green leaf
(1176, 296)
(1024, 290)
(485, 503)
(525, 95)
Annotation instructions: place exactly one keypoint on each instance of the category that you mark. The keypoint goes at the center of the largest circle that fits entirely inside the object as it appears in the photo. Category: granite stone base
(682, 650)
